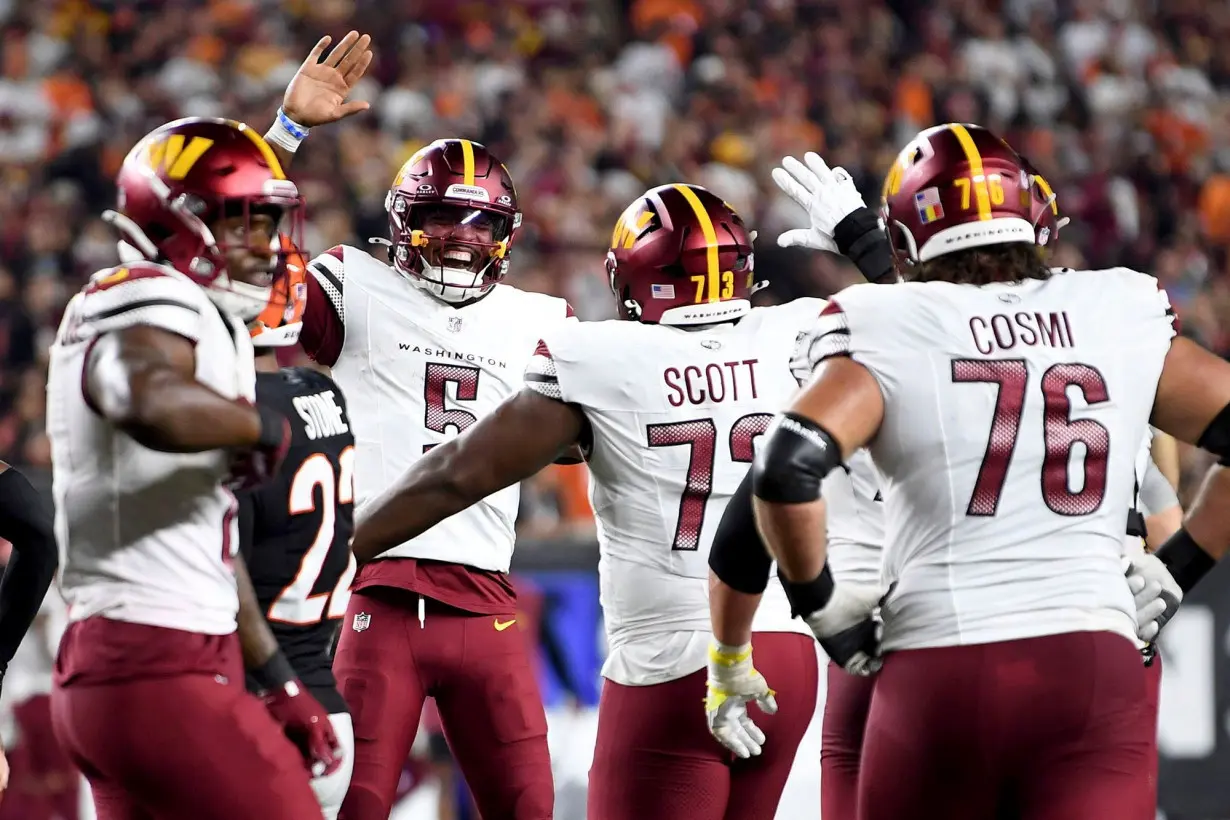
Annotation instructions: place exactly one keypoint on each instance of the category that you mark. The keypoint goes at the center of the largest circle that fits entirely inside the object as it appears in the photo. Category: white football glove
(847, 629)
(1156, 593)
(827, 194)
(733, 684)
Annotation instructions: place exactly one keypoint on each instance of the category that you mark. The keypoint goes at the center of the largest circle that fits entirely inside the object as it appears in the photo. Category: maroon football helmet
(959, 186)
(185, 179)
(681, 256)
(452, 219)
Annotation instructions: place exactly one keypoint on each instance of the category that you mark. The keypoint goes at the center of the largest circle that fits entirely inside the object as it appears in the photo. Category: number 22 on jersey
(296, 604)
(700, 436)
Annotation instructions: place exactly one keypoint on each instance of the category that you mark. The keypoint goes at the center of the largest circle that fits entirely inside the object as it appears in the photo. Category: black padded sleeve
(26, 523)
(738, 556)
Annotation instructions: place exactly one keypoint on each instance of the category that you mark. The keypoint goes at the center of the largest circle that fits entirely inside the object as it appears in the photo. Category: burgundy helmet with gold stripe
(959, 186)
(453, 218)
(681, 256)
(187, 178)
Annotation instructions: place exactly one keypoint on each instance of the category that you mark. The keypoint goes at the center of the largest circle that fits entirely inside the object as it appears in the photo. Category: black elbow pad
(796, 456)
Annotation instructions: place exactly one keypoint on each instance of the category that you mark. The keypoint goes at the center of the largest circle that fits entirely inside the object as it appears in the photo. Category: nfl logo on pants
(362, 621)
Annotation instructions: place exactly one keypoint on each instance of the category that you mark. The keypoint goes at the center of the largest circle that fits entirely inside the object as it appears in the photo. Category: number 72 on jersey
(700, 436)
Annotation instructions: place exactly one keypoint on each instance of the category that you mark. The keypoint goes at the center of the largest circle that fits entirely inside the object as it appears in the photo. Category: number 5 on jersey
(437, 417)
(296, 604)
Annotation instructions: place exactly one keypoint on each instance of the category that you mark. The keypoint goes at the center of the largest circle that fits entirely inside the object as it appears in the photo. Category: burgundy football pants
(481, 676)
(841, 742)
(654, 758)
(189, 747)
(1051, 728)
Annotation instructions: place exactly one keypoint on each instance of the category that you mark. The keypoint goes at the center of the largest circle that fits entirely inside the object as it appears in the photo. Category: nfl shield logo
(362, 621)
(454, 323)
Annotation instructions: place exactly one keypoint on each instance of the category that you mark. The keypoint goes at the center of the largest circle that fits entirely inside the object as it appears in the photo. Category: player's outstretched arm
(524, 434)
(317, 93)
(143, 380)
(26, 523)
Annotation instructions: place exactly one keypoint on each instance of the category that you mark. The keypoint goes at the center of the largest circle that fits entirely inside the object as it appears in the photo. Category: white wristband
(286, 133)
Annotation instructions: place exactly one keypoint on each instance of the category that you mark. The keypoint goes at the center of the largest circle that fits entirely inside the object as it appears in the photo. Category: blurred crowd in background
(1122, 105)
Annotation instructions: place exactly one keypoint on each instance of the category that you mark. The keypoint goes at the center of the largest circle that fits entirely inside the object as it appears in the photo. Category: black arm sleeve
(26, 523)
(738, 556)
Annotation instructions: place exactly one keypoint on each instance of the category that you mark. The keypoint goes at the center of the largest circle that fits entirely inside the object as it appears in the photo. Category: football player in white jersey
(1004, 404)
(152, 424)
(668, 402)
(739, 561)
(424, 347)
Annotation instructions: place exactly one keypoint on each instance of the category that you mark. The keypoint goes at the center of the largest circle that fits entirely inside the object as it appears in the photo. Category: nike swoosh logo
(500, 626)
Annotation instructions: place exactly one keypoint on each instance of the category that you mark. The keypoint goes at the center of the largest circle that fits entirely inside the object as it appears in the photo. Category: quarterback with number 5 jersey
(424, 348)
(669, 403)
(1004, 404)
(294, 531)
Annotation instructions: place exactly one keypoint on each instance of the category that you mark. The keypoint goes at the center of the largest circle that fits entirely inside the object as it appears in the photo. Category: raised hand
(827, 194)
(317, 93)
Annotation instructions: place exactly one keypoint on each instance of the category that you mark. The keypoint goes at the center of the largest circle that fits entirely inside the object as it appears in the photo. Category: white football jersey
(675, 414)
(145, 536)
(1013, 415)
(416, 371)
(854, 521)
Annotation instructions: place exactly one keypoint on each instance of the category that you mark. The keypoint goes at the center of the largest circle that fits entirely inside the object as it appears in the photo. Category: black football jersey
(295, 530)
